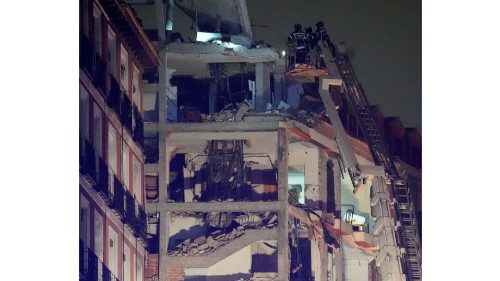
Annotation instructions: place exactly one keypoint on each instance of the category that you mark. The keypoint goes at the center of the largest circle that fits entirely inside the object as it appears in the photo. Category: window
(97, 31)
(135, 87)
(138, 267)
(97, 124)
(126, 263)
(112, 52)
(125, 166)
(84, 112)
(112, 157)
(137, 180)
(99, 235)
(84, 220)
(113, 251)
(84, 17)
(124, 69)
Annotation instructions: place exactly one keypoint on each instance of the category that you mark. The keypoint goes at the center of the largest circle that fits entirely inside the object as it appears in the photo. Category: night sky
(383, 40)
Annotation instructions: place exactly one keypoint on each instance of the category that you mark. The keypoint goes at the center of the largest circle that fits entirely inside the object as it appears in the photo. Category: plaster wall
(182, 227)
(307, 155)
(237, 263)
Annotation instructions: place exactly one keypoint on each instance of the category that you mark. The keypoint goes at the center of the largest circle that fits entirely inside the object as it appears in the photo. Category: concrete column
(262, 86)
(322, 187)
(337, 178)
(163, 233)
(283, 247)
(279, 84)
(241, 8)
(323, 257)
(338, 263)
(161, 13)
(171, 102)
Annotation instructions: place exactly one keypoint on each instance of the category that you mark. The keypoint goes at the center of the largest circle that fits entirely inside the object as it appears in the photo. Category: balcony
(102, 175)
(93, 64)
(99, 76)
(114, 94)
(138, 127)
(151, 150)
(130, 216)
(104, 181)
(151, 188)
(117, 197)
(91, 267)
(86, 54)
(88, 160)
(126, 112)
(141, 224)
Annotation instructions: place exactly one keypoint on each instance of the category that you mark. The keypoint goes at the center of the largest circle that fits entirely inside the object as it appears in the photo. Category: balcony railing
(102, 175)
(91, 267)
(114, 94)
(103, 180)
(117, 197)
(138, 126)
(86, 54)
(100, 74)
(126, 112)
(141, 223)
(130, 216)
(89, 161)
(116, 98)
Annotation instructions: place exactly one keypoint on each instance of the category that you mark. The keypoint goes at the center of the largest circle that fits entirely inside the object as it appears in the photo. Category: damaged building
(257, 168)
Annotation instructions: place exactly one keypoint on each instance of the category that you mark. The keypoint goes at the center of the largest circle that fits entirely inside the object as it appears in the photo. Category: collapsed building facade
(256, 170)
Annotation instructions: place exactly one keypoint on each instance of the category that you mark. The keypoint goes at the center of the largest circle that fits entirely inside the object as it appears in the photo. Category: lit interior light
(206, 36)
(283, 53)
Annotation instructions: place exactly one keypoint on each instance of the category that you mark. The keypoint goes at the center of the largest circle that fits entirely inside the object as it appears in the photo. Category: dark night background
(383, 40)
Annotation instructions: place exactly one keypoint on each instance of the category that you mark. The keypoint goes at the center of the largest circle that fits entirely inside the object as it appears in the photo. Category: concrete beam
(214, 207)
(250, 236)
(244, 126)
(151, 168)
(180, 54)
(371, 171)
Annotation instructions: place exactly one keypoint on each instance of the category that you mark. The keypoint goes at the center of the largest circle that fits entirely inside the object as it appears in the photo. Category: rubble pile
(203, 245)
(228, 114)
(265, 276)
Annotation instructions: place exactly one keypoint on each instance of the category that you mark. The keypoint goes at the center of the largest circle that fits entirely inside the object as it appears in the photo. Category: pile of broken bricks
(203, 245)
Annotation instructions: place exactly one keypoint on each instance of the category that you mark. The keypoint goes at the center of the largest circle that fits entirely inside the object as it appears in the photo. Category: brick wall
(151, 271)
(175, 274)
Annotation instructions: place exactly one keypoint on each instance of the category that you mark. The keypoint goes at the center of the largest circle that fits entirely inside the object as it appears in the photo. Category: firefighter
(300, 46)
(321, 32)
(297, 30)
(311, 36)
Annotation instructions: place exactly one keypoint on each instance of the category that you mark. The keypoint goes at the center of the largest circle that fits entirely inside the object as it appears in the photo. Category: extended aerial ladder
(406, 230)
(399, 257)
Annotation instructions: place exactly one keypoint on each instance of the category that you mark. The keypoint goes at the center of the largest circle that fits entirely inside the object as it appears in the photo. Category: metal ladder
(407, 232)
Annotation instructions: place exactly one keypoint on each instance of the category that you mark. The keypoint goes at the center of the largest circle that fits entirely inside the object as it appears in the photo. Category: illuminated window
(125, 166)
(84, 112)
(138, 268)
(112, 157)
(97, 31)
(124, 69)
(126, 263)
(112, 52)
(137, 180)
(135, 87)
(97, 124)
